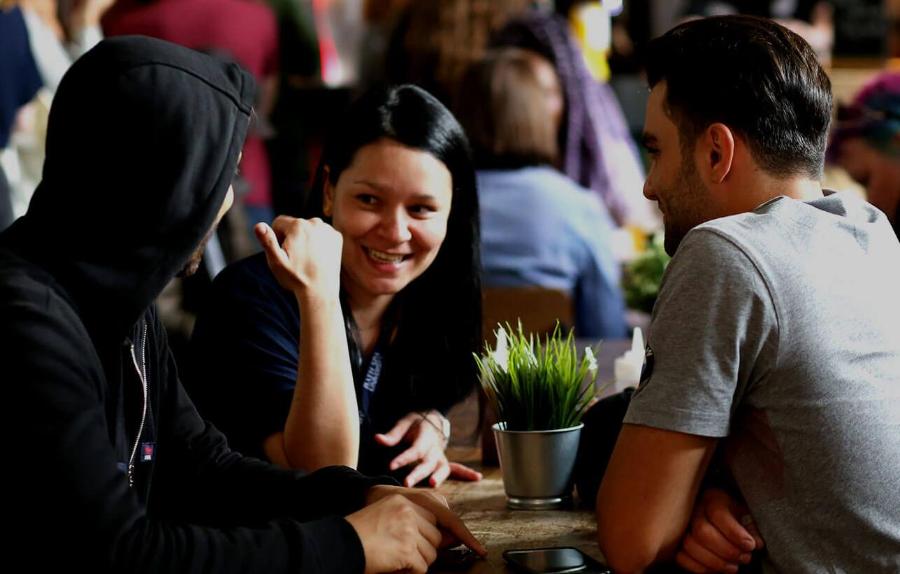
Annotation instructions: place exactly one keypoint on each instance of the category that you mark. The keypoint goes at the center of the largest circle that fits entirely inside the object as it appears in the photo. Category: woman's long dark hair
(438, 315)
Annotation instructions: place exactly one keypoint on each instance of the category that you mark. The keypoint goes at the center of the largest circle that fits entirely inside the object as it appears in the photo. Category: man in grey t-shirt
(775, 340)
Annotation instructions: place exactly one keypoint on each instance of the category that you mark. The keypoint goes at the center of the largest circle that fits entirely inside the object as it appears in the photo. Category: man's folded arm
(647, 495)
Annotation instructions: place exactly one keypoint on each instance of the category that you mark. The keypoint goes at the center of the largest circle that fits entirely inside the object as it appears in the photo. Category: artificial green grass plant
(534, 384)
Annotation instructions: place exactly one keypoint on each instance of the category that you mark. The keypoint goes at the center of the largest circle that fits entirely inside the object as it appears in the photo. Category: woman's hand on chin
(304, 255)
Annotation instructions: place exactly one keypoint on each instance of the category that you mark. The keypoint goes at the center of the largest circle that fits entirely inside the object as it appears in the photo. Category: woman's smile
(384, 259)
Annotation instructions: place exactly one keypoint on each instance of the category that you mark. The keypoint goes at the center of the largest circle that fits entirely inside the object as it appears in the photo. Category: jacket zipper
(141, 369)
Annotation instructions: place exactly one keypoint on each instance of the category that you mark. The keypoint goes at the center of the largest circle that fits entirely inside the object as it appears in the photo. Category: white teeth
(385, 257)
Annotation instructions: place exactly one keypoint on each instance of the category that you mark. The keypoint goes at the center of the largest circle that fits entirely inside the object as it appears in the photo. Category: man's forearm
(645, 500)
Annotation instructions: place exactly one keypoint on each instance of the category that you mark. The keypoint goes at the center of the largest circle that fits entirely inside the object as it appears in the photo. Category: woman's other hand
(422, 432)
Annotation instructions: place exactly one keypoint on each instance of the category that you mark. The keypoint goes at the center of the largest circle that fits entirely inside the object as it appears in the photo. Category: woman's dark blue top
(243, 359)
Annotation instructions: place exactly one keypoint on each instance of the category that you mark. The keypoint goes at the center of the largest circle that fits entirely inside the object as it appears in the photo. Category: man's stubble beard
(690, 211)
(193, 264)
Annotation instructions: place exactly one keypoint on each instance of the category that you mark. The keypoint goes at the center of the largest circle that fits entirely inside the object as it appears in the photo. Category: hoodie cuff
(333, 547)
(353, 487)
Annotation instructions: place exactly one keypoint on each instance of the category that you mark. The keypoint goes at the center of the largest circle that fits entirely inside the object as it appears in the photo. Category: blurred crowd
(549, 94)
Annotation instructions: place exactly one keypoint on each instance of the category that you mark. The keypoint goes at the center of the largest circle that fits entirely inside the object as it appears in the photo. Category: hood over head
(142, 144)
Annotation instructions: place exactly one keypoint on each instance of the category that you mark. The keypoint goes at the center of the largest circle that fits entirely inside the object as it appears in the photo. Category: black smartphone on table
(555, 560)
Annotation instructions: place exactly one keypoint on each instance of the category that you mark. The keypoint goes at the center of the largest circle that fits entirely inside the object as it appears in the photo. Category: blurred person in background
(36, 49)
(19, 82)
(596, 147)
(866, 143)
(435, 41)
(812, 20)
(539, 228)
(60, 32)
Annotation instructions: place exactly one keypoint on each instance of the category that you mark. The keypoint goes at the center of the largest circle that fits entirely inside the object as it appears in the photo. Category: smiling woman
(351, 338)
(391, 205)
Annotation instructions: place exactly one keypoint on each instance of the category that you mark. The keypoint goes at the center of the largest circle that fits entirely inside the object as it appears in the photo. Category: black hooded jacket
(108, 466)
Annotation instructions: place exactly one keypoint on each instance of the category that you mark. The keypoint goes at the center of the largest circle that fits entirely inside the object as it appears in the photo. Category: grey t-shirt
(780, 330)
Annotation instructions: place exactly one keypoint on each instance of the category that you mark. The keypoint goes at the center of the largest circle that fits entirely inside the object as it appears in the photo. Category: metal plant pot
(537, 465)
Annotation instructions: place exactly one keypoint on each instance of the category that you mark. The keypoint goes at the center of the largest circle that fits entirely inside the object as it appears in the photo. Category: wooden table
(482, 505)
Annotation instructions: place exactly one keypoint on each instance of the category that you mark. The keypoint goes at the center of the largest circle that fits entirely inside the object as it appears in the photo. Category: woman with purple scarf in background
(866, 143)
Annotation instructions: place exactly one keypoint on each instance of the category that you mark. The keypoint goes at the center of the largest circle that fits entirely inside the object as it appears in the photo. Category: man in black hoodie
(112, 468)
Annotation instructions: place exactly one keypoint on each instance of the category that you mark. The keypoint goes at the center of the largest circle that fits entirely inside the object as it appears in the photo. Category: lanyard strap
(370, 383)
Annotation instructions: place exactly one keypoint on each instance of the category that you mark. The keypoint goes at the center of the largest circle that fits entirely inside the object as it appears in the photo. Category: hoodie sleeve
(206, 482)
(71, 503)
(196, 464)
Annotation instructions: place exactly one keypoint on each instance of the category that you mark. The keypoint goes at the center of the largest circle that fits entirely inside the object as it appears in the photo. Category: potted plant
(539, 390)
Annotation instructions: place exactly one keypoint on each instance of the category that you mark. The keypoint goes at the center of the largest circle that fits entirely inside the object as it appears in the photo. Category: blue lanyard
(370, 383)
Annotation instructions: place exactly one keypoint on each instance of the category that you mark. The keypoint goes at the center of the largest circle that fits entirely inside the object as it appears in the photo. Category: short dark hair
(438, 315)
(501, 105)
(753, 75)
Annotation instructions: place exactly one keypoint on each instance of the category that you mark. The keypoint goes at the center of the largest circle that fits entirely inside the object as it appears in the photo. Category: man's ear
(718, 151)
(327, 193)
